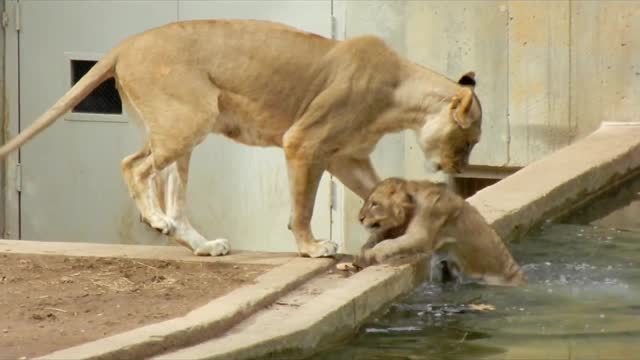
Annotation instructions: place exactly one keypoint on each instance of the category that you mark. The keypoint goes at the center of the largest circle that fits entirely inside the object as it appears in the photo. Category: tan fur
(325, 102)
(409, 216)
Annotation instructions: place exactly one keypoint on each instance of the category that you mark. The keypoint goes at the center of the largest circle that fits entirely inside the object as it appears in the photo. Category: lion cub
(420, 216)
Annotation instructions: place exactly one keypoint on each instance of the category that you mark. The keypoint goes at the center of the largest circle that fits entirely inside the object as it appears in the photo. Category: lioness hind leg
(139, 172)
(175, 179)
(127, 166)
(128, 163)
(178, 110)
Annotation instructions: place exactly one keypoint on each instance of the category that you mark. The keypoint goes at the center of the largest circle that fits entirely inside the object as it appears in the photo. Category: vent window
(103, 100)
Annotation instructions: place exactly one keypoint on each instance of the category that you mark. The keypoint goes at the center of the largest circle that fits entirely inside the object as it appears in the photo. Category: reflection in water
(583, 302)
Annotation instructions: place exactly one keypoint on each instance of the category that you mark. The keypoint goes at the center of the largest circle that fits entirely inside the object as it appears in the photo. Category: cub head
(388, 206)
(448, 136)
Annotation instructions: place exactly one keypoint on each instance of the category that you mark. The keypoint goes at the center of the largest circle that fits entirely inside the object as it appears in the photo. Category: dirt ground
(49, 303)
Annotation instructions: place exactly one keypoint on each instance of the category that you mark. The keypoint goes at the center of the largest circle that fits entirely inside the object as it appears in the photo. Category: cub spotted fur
(420, 216)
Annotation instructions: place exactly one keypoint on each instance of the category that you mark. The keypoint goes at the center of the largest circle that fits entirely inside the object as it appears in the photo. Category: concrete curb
(561, 181)
(202, 323)
(149, 252)
(332, 316)
(513, 205)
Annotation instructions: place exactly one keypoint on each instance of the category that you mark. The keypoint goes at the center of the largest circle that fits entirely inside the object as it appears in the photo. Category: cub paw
(361, 261)
(217, 247)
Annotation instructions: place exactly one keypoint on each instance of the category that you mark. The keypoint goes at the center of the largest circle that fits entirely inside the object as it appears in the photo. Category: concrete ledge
(559, 182)
(200, 324)
(541, 190)
(331, 316)
(150, 252)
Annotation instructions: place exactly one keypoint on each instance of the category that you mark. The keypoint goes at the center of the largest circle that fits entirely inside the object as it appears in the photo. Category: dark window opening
(467, 187)
(103, 100)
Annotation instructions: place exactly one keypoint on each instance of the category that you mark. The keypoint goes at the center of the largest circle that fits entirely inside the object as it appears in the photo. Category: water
(582, 302)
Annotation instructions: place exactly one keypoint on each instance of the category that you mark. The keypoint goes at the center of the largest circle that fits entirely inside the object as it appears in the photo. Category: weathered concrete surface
(559, 181)
(326, 309)
(330, 307)
(139, 252)
(562, 180)
(201, 324)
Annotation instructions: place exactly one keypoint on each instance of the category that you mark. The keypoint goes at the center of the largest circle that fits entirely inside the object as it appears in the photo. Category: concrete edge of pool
(321, 311)
(543, 189)
(559, 182)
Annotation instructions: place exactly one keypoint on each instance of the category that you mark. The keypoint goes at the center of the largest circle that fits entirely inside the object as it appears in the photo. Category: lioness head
(388, 206)
(449, 135)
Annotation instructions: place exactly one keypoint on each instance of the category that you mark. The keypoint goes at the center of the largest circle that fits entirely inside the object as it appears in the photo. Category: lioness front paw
(321, 248)
(217, 247)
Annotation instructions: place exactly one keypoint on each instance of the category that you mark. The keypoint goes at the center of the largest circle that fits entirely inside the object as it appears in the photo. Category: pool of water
(582, 302)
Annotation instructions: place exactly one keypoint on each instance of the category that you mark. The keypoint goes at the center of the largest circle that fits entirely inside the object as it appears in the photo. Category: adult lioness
(410, 216)
(326, 102)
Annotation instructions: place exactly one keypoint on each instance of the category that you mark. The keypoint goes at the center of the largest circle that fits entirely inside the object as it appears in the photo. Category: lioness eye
(374, 204)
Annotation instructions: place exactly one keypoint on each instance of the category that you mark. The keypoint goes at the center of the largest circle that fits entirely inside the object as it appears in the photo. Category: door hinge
(334, 27)
(17, 15)
(19, 177)
(5, 19)
(332, 194)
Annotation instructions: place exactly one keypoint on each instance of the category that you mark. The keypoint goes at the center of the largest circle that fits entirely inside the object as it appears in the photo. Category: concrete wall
(387, 19)
(549, 72)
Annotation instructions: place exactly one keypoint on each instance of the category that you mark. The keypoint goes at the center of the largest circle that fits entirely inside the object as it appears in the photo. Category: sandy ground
(48, 303)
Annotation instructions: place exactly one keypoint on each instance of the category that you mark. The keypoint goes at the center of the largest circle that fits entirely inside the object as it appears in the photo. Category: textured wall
(549, 72)
(387, 20)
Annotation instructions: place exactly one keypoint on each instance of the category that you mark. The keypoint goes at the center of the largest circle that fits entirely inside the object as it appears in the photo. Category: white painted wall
(72, 189)
(548, 73)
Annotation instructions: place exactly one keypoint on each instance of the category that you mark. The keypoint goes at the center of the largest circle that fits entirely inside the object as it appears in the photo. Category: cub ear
(468, 79)
(460, 106)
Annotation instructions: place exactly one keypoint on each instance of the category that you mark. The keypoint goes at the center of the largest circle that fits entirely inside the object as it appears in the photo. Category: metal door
(241, 192)
(71, 186)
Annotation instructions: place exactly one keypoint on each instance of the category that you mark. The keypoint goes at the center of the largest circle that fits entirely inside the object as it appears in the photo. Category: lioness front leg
(357, 174)
(174, 189)
(304, 172)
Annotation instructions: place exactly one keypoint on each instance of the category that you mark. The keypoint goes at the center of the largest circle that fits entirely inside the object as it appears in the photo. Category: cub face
(387, 207)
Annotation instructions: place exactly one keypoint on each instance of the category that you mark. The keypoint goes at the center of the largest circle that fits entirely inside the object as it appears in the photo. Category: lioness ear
(468, 79)
(460, 106)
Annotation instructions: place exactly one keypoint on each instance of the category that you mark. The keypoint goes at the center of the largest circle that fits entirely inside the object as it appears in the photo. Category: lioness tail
(101, 71)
